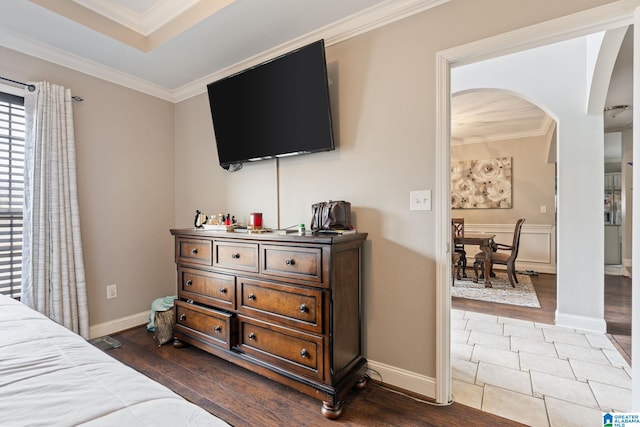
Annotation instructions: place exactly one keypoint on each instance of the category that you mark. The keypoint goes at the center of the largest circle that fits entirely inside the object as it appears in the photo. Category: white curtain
(52, 263)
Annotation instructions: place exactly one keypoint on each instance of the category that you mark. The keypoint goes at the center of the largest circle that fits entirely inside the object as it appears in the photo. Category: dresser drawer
(206, 287)
(287, 305)
(236, 256)
(288, 349)
(193, 251)
(293, 262)
(212, 326)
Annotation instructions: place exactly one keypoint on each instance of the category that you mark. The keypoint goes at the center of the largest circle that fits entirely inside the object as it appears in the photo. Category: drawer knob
(223, 290)
(235, 256)
(183, 317)
(218, 328)
(251, 297)
(194, 251)
(304, 353)
(303, 308)
(252, 336)
(188, 283)
(289, 261)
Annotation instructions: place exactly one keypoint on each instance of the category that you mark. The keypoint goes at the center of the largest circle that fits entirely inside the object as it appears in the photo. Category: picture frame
(481, 184)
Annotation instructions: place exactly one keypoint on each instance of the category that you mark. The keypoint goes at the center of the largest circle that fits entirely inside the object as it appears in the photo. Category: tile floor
(534, 373)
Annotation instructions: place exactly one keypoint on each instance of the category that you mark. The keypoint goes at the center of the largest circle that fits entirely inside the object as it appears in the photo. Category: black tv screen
(280, 107)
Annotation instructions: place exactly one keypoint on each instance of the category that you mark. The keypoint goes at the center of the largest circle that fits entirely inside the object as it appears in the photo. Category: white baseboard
(613, 270)
(583, 323)
(626, 267)
(400, 378)
(118, 325)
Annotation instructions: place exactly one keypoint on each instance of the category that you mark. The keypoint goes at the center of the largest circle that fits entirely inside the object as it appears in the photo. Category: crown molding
(143, 22)
(497, 137)
(48, 53)
(546, 125)
(351, 26)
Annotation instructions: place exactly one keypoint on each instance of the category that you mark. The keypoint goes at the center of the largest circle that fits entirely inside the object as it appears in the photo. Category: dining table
(484, 242)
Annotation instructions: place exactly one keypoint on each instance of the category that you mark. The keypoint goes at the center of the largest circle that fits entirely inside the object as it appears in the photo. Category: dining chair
(502, 255)
(456, 260)
(458, 224)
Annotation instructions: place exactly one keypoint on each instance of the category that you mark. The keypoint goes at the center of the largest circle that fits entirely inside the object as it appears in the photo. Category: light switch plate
(420, 200)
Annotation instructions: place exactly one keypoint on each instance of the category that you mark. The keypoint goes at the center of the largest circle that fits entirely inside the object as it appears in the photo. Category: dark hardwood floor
(243, 398)
(617, 311)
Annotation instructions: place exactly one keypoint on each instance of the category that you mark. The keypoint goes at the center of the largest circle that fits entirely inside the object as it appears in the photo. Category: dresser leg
(331, 409)
(177, 343)
(361, 384)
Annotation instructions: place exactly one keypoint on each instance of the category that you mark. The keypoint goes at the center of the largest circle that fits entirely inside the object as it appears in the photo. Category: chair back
(458, 226)
(458, 230)
(453, 235)
(516, 239)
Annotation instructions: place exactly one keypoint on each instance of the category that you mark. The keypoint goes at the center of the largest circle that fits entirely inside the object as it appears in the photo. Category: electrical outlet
(420, 200)
(112, 291)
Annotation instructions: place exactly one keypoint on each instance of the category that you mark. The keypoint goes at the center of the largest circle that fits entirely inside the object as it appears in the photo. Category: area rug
(502, 292)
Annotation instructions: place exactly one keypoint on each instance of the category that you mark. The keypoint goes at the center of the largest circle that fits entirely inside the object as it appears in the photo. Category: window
(12, 128)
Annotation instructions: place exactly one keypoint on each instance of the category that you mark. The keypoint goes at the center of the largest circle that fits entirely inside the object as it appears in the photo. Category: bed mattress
(52, 376)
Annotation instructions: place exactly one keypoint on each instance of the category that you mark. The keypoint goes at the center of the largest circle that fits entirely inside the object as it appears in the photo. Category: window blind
(12, 129)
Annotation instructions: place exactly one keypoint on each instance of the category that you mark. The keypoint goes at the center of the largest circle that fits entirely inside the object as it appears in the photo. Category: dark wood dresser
(288, 307)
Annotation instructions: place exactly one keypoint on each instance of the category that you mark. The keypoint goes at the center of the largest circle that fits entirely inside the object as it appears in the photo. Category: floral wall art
(481, 184)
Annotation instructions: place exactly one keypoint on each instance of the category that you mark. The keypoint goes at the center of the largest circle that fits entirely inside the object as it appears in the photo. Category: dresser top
(270, 236)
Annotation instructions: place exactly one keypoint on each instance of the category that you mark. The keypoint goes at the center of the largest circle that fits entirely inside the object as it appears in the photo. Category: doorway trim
(606, 17)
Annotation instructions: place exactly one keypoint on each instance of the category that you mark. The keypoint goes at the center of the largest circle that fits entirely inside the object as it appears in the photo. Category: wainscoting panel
(537, 244)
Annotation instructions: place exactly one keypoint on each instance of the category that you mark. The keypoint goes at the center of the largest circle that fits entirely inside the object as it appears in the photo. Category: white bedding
(51, 376)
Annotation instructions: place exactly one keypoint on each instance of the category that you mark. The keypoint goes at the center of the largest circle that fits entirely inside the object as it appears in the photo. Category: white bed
(51, 376)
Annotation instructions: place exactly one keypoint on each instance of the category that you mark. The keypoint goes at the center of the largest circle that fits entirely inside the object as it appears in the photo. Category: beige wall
(139, 174)
(533, 181)
(202, 184)
(125, 143)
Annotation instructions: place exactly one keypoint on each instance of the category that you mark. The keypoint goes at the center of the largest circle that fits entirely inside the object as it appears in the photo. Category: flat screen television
(278, 108)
